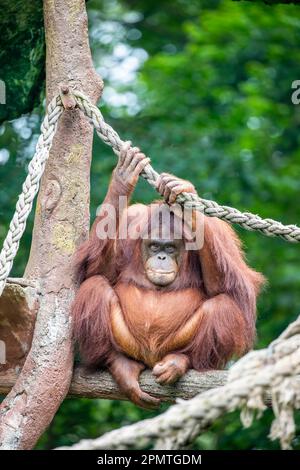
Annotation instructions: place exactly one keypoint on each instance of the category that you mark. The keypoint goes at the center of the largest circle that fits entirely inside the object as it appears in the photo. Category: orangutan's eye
(154, 247)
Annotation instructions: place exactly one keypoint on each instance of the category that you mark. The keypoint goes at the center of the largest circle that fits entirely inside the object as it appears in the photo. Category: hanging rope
(29, 189)
(268, 227)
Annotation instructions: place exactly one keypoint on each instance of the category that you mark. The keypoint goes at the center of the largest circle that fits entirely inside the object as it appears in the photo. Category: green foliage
(271, 2)
(215, 107)
(22, 55)
(81, 418)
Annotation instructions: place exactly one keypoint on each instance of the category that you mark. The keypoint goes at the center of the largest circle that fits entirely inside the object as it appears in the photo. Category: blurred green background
(204, 88)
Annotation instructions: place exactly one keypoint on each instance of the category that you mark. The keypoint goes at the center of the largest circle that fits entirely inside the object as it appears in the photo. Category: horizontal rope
(248, 221)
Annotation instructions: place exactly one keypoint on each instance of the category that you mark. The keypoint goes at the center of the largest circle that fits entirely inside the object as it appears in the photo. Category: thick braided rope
(271, 370)
(29, 189)
(247, 220)
(36, 168)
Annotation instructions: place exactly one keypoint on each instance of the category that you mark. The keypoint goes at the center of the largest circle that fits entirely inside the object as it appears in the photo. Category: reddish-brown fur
(227, 326)
(155, 318)
(206, 316)
(92, 324)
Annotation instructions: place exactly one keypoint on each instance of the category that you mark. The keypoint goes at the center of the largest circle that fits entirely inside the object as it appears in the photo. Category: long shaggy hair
(215, 279)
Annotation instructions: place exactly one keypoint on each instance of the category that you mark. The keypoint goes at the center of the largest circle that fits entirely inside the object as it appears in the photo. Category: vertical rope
(30, 188)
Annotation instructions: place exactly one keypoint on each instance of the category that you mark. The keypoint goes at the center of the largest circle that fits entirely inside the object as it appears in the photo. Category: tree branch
(100, 384)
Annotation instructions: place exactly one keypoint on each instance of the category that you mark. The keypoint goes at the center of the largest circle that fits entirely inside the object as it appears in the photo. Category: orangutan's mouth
(157, 271)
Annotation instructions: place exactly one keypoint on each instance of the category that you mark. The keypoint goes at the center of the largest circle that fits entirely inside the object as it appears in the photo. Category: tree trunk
(61, 223)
